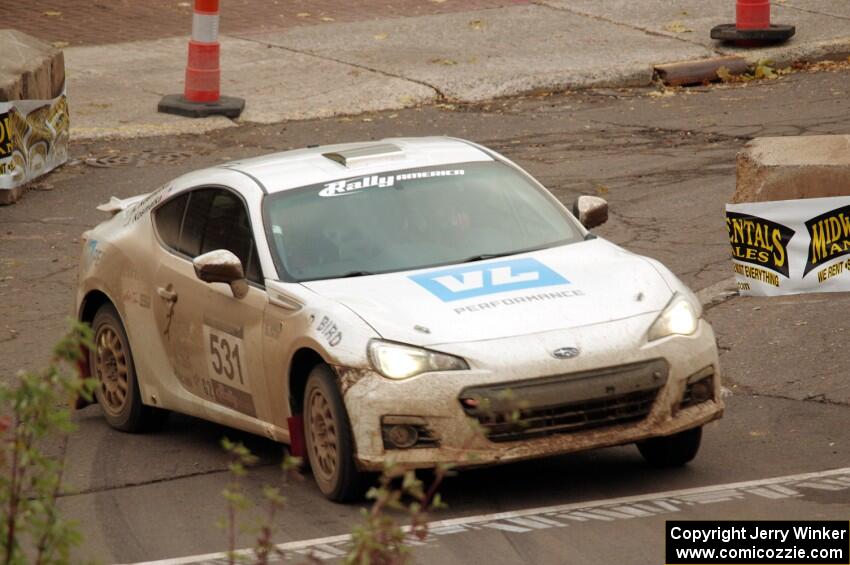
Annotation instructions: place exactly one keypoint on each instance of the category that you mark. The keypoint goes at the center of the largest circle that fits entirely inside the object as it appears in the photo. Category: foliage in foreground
(34, 412)
(35, 423)
(380, 539)
(399, 514)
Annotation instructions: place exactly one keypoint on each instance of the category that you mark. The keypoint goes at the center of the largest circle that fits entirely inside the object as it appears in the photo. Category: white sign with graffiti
(33, 139)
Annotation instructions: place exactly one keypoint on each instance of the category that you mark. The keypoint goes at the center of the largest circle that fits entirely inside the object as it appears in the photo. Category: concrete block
(11, 195)
(30, 69)
(790, 168)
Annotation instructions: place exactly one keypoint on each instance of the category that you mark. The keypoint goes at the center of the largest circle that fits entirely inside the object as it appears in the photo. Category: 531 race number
(224, 358)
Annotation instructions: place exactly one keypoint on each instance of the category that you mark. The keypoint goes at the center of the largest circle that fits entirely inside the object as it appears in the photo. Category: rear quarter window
(168, 219)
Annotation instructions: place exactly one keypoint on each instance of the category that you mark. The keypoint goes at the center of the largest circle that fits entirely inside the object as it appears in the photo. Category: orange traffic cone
(752, 26)
(201, 95)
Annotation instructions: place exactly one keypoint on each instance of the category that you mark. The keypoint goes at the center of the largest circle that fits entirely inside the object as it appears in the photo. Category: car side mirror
(591, 211)
(222, 266)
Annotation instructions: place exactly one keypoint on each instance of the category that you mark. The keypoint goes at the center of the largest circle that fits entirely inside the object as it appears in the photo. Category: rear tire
(671, 451)
(117, 391)
(328, 440)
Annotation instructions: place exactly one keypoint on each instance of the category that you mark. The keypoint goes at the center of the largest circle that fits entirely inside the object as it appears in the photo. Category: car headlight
(397, 361)
(679, 317)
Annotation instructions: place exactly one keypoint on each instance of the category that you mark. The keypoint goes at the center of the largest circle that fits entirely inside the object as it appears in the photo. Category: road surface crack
(82, 492)
(648, 31)
(440, 96)
(816, 398)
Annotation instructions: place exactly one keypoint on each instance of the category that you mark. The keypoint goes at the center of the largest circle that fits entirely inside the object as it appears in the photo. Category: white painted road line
(625, 507)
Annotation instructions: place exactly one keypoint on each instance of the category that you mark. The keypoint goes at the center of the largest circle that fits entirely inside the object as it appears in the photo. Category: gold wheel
(328, 438)
(323, 436)
(111, 370)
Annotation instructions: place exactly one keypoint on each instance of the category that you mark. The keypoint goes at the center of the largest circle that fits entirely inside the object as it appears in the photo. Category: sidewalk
(413, 52)
(98, 22)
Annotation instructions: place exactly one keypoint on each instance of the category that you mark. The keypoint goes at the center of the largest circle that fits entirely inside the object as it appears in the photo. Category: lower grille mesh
(570, 417)
(618, 395)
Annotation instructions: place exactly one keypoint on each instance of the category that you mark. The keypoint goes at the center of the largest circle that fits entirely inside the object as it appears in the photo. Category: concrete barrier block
(30, 69)
(790, 168)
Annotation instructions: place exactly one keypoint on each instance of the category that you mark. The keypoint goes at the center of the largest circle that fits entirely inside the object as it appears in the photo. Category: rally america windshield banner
(33, 139)
(790, 246)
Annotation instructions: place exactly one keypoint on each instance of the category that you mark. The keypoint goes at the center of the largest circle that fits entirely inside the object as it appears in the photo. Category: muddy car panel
(201, 351)
(436, 397)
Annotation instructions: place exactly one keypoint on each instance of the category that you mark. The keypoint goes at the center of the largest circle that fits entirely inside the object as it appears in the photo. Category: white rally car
(423, 300)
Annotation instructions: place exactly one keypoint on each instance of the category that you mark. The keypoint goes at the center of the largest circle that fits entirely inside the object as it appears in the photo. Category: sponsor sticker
(481, 279)
(790, 246)
(348, 186)
(330, 331)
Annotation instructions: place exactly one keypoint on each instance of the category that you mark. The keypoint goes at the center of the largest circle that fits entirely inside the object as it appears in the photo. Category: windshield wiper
(356, 274)
(485, 256)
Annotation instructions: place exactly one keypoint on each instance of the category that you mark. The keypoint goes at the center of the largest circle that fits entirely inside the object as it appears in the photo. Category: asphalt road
(665, 163)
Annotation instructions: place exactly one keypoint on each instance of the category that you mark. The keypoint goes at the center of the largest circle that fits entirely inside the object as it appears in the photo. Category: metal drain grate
(141, 159)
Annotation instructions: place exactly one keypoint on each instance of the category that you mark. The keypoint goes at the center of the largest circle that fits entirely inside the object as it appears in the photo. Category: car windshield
(409, 219)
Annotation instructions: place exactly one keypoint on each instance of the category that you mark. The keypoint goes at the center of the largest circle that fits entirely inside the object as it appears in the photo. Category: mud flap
(296, 435)
(83, 372)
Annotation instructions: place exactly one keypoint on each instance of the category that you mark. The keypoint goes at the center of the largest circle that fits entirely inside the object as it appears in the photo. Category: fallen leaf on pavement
(476, 24)
(663, 93)
(764, 69)
(677, 27)
(724, 74)
(443, 61)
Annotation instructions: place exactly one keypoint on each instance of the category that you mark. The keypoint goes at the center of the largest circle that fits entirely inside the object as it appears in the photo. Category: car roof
(314, 165)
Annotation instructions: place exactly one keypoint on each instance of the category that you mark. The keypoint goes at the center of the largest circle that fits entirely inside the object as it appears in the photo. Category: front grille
(566, 403)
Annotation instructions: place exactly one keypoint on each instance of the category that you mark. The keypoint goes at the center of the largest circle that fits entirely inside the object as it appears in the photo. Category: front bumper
(460, 439)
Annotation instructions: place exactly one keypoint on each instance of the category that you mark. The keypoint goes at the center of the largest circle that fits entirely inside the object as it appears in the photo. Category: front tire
(329, 444)
(117, 389)
(672, 451)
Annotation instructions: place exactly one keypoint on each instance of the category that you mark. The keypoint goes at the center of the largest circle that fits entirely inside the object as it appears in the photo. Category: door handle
(167, 294)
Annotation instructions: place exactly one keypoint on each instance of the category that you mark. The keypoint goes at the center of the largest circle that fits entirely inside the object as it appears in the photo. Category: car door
(213, 340)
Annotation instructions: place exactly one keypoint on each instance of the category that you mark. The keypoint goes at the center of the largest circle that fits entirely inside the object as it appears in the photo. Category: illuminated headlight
(396, 361)
(679, 317)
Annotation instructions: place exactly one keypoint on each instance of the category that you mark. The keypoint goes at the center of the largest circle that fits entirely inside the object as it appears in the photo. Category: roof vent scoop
(367, 154)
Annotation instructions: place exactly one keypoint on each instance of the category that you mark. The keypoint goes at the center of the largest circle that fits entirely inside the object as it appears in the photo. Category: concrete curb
(718, 293)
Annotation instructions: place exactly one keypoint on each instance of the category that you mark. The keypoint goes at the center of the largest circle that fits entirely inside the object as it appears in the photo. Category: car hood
(570, 286)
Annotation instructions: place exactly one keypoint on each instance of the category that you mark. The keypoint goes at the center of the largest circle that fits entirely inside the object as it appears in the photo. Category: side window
(217, 219)
(168, 219)
(195, 221)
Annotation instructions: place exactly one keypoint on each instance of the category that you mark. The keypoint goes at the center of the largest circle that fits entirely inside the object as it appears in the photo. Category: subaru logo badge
(566, 353)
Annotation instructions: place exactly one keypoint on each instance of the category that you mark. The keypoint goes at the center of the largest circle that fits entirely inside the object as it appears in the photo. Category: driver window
(217, 219)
